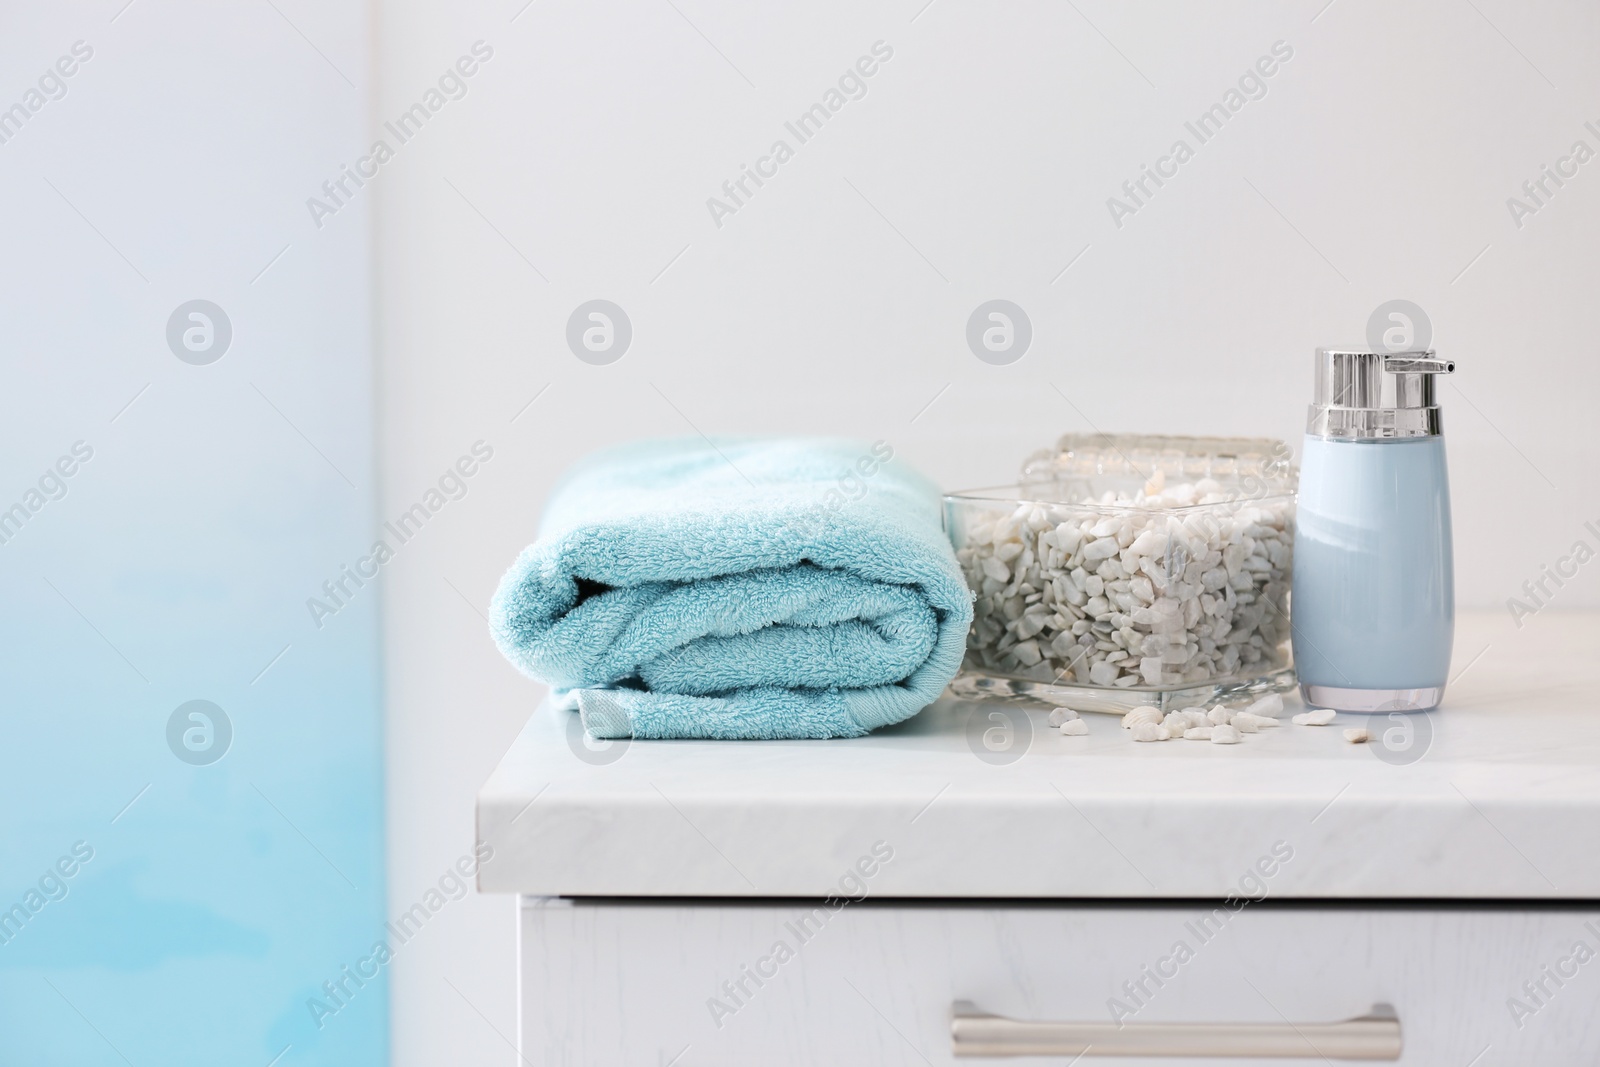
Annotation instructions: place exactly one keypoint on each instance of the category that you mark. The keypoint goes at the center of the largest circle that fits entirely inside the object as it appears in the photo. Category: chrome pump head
(1376, 396)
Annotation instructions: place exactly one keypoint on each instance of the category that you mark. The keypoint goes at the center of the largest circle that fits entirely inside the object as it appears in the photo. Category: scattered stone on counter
(1357, 736)
(1219, 724)
(1149, 731)
(1270, 706)
(1061, 715)
(1139, 596)
(1224, 735)
(1074, 727)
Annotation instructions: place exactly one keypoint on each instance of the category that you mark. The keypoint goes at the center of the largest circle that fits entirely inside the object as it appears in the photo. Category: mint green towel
(738, 588)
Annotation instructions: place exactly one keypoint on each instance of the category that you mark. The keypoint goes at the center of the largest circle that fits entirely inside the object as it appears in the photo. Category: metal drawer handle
(1373, 1036)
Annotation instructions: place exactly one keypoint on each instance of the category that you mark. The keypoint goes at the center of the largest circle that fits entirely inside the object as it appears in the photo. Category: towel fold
(738, 588)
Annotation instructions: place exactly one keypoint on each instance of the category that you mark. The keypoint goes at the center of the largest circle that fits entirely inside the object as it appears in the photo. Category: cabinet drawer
(731, 984)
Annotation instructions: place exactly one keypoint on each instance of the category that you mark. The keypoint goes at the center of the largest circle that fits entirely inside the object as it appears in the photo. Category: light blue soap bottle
(1373, 608)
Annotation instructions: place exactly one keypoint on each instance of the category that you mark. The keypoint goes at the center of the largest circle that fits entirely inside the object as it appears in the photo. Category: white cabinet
(735, 984)
(1435, 878)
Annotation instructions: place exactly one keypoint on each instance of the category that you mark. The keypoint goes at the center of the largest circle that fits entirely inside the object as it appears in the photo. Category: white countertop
(1503, 801)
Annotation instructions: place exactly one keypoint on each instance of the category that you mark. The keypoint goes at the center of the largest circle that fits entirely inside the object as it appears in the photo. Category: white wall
(977, 166)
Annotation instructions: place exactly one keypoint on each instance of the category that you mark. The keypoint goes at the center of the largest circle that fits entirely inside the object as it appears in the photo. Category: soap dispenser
(1372, 613)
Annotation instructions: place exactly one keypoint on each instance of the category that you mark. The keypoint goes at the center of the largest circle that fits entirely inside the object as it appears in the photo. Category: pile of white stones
(1220, 725)
(1132, 593)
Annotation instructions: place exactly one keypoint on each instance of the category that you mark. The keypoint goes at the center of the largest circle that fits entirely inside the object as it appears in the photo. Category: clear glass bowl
(1130, 570)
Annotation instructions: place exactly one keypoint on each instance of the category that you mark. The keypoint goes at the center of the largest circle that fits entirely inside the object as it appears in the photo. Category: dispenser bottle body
(1373, 614)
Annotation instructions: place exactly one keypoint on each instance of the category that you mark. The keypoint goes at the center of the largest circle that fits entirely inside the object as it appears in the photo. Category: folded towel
(738, 588)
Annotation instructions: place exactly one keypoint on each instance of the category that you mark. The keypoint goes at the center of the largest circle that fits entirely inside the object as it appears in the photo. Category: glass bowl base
(978, 684)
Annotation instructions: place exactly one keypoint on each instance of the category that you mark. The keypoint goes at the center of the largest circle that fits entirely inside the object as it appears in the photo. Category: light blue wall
(177, 565)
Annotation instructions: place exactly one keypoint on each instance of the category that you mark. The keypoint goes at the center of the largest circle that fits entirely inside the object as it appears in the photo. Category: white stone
(1103, 673)
(1149, 543)
(1251, 723)
(1075, 728)
(1198, 733)
(1061, 715)
(1316, 717)
(1357, 736)
(1270, 705)
(1220, 716)
(1149, 731)
(1225, 735)
(1102, 548)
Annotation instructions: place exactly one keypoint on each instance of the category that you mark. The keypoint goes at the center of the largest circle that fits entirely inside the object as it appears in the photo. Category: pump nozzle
(1418, 363)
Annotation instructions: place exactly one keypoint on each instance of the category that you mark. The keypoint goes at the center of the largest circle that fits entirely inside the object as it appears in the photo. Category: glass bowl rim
(997, 494)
